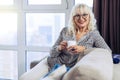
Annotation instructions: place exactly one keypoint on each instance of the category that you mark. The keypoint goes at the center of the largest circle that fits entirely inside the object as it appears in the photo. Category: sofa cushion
(95, 65)
(56, 74)
(36, 72)
(116, 74)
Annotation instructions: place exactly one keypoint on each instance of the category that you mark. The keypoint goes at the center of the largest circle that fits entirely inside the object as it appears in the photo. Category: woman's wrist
(82, 48)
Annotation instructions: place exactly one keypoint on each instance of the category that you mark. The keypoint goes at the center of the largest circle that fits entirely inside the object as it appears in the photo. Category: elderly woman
(81, 29)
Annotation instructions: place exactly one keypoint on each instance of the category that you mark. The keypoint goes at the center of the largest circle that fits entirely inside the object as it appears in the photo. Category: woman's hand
(76, 49)
(62, 46)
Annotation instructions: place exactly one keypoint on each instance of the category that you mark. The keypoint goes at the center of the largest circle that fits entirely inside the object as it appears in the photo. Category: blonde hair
(71, 24)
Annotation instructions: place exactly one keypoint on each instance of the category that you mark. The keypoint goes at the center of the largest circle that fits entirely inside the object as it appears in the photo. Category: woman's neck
(83, 29)
(81, 32)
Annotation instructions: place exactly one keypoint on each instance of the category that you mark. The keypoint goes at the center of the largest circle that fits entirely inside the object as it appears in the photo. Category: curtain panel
(107, 14)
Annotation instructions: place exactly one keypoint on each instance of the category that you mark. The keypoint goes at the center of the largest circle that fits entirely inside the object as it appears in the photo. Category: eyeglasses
(77, 16)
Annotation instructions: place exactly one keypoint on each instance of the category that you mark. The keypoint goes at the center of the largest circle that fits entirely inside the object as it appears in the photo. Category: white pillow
(95, 65)
(36, 72)
(57, 74)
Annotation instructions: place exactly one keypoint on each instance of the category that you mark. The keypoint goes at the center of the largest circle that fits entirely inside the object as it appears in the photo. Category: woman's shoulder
(64, 29)
(94, 33)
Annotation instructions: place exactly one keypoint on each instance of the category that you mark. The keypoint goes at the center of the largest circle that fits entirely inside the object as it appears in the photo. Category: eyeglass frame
(78, 16)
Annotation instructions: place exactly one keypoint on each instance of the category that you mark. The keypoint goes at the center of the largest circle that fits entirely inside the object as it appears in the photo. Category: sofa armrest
(97, 64)
(36, 72)
(33, 64)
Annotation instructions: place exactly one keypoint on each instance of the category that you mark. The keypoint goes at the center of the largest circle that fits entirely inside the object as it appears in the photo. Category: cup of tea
(71, 43)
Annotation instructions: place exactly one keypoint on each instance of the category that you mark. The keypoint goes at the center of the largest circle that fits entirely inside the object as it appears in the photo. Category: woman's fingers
(76, 49)
(71, 49)
(63, 45)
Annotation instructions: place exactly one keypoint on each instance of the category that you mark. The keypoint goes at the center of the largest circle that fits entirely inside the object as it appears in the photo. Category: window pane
(34, 56)
(44, 2)
(8, 28)
(6, 2)
(8, 65)
(88, 2)
(42, 29)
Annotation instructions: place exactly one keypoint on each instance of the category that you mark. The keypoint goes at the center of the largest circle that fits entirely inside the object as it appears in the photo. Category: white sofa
(97, 64)
(116, 72)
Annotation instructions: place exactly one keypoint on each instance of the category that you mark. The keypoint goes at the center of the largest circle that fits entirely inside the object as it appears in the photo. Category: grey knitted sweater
(90, 40)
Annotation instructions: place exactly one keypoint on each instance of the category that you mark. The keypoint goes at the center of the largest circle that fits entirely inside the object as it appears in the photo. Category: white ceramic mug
(71, 42)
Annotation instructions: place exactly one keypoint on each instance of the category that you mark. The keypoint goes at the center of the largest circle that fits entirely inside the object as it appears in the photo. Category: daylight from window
(8, 26)
(6, 2)
(40, 33)
(44, 2)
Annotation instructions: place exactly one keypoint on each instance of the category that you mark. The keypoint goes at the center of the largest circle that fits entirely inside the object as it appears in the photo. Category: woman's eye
(77, 15)
(85, 14)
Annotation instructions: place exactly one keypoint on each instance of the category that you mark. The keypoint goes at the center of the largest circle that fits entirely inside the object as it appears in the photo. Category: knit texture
(90, 40)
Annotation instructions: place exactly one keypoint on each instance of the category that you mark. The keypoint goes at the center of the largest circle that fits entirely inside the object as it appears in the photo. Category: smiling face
(81, 18)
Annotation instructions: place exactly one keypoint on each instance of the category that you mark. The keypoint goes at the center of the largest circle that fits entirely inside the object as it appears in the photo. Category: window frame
(21, 8)
(27, 6)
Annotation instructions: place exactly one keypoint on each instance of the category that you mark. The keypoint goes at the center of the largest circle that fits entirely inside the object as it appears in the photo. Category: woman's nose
(81, 18)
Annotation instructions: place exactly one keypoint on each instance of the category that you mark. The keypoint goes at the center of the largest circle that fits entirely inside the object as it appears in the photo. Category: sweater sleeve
(54, 50)
(99, 42)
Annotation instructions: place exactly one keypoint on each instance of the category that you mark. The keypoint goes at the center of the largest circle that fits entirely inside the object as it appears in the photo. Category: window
(8, 65)
(42, 28)
(8, 25)
(28, 30)
(6, 2)
(30, 27)
(44, 2)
